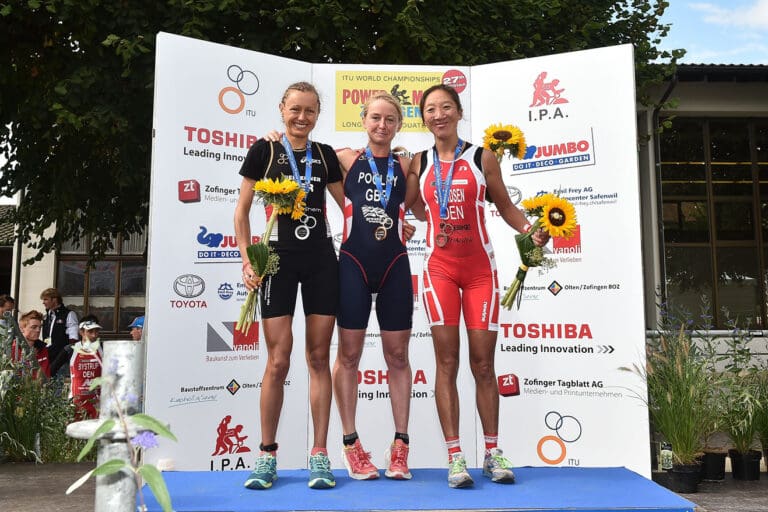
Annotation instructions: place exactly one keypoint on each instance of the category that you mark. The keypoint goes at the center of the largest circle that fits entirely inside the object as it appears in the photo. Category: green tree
(77, 78)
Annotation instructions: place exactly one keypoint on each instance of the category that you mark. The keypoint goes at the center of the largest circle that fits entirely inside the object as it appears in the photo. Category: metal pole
(123, 377)
(124, 359)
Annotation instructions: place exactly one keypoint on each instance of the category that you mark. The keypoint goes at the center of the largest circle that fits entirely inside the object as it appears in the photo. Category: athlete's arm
(416, 205)
(243, 230)
(336, 189)
(498, 192)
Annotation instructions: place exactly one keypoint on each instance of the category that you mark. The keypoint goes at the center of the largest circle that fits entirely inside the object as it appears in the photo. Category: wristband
(526, 227)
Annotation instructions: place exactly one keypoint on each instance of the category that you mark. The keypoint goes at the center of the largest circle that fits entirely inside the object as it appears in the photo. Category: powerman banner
(564, 401)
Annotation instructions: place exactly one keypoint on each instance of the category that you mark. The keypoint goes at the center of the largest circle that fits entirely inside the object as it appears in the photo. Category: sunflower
(298, 205)
(500, 138)
(533, 205)
(280, 192)
(559, 217)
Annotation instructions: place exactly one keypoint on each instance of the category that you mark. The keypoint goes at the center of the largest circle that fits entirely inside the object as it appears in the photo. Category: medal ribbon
(444, 187)
(295, 167)
(383, 195)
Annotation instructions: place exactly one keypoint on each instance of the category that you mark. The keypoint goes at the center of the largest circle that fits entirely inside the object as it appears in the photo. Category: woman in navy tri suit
(373, 260)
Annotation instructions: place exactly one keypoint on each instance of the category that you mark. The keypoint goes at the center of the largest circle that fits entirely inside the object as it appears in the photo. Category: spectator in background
(59, 326)
(7, 303)
(31, 324)
(137, 328)
(84, 366)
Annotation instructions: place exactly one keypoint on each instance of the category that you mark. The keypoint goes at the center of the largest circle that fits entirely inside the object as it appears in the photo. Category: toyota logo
(189, 286)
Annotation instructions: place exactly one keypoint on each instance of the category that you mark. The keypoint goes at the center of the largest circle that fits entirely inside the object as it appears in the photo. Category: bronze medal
(380, 233)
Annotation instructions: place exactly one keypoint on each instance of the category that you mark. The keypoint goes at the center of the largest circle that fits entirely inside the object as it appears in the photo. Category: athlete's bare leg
(279, 340)
(319, 329)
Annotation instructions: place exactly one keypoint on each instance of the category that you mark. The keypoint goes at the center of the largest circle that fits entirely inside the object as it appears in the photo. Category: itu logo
(232, 98)
(551, 448)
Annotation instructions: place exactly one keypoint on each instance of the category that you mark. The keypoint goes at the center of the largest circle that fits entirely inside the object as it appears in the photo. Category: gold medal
(380, 233)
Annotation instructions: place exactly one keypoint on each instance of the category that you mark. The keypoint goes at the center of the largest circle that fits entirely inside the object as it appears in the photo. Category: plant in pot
(761, 420)
(742, 406)
(677, 380)
(741, 420)
(715, 449)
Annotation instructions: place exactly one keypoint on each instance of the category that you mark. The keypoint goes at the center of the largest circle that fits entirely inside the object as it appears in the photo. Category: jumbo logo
(563, 154)
(219, 246)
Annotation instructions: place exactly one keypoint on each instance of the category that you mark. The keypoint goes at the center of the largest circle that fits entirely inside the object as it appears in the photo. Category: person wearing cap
(137, 328)
(84, 366)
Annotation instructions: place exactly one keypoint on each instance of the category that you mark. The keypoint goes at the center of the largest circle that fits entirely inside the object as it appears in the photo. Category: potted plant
(741, 421)
(742, 407)
(677, 380)
(715, 450)
(762, 415)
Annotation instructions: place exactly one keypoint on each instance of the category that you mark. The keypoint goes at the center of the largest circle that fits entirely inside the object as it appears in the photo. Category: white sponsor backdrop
(578, 324)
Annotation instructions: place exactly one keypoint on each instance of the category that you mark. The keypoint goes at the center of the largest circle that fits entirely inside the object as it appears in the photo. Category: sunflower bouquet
(281, 196)
(557, 217)
(504, 139)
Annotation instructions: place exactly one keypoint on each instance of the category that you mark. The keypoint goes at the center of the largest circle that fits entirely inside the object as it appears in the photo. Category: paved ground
(40, 488)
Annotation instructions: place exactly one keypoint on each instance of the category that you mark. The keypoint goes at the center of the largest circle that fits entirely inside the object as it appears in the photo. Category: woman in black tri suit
(307, 257)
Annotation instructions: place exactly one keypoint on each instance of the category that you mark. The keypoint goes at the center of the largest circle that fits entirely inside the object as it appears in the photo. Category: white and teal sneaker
(320, 476)
(264, 472)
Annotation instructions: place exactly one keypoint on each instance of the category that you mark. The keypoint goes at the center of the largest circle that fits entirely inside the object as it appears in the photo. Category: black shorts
(316, 268)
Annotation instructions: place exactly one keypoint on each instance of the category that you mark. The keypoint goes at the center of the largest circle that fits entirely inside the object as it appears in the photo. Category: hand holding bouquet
(557, 217)
(281, 196)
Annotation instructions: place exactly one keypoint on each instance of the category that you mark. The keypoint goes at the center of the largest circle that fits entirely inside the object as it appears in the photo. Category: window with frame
(714, 193)
(113, 288)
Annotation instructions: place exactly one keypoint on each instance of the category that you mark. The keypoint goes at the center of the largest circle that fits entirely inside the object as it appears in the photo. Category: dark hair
(89, 318)
(440, 87)
(4, 299)
(302, 87)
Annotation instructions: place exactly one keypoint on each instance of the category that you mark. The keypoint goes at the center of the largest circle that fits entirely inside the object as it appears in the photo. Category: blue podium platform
(536, 489)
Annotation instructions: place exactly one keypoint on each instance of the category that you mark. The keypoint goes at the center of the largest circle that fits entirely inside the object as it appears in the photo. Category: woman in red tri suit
(460, 273)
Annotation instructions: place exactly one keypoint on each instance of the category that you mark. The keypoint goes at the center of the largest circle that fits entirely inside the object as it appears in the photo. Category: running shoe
(264, 472)
(458, 476)
(397, 461)
(320, 476)
(497, 467)
(358, 462)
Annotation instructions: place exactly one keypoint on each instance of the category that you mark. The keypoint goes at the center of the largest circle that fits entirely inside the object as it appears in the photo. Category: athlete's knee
(277, 369)
(396, 359)
(483, 370)
(318, 361)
